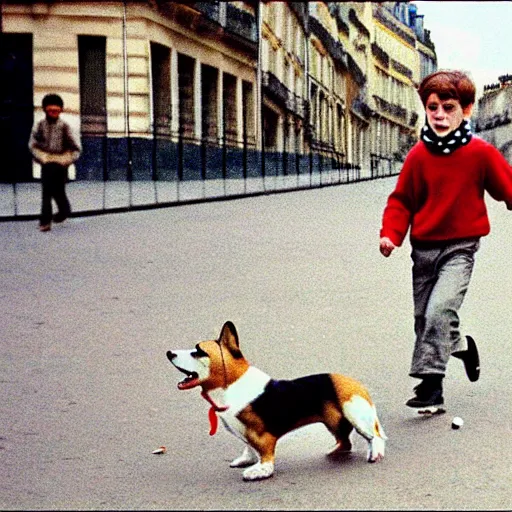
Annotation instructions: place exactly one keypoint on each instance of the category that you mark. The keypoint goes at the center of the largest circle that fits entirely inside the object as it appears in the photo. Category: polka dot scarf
(449, 143)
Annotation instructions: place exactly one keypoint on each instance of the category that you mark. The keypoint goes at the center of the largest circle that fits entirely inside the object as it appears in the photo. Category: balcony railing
(282, 95)
(380, 55)
(342, 26)
(301, 11)
(362, 108)
(493, 122)
(334, 48)
(403, 70)
(234, 21)
(209, 9)
(390, 108)
(275, 88)
(352, 16)
(337, 52)
(295, 104)
(241, 23)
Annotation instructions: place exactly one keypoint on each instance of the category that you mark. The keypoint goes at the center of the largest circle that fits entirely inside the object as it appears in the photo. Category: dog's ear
(229, 337)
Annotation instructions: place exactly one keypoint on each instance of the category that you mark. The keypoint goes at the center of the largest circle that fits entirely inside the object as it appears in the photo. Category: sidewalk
(23, 200)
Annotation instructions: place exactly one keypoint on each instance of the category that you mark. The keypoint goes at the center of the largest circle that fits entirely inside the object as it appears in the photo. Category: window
(339, 144)
(186, 94)
(209, 89)
(92, 69)
(161, 88)
(270, 123)
(16, 106)
(249, 134)
(230, 105)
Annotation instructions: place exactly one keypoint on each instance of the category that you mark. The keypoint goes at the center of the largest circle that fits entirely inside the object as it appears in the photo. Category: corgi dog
(259, 409)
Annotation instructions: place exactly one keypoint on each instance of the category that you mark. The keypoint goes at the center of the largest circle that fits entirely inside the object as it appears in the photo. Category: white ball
(457, 423)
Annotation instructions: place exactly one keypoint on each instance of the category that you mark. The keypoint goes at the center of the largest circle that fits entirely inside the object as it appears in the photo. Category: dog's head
(211, 364)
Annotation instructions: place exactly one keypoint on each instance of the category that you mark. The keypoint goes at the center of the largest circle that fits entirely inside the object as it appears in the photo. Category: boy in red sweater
(439, 195)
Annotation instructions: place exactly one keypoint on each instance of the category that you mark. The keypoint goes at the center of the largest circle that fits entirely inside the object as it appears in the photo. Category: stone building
(284, 87)
(195, 90)
(402, 56)
(335, 79)
(494, 117)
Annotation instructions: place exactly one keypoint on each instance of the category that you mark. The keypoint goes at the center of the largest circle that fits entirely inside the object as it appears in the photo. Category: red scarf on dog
(212, 413)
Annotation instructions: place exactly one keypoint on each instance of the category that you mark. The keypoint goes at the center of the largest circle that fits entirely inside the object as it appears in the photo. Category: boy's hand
(40, 156)
(386, 246)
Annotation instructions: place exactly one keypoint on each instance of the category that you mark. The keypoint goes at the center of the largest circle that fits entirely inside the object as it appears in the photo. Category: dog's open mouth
(190, 381)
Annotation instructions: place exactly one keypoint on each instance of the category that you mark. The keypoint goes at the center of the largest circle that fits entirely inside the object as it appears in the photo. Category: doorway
(16, 107)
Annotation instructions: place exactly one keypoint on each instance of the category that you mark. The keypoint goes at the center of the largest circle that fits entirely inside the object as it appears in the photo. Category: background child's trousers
(440, 276)
(53, 180)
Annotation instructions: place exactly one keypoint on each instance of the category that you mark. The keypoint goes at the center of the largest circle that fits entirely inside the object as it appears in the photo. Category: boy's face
(52, 111)
(444, 116)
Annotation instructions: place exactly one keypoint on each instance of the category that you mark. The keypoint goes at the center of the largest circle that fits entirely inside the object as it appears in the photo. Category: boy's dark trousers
(53, 180)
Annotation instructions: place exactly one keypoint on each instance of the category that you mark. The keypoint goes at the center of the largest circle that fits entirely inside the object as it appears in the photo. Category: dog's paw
(376, 458)
(340, 450)
(376, 449)
(248, 458)
(259, 471)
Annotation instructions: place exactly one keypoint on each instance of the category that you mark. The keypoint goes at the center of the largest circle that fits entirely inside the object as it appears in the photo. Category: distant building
(425, 46)
(396, 73)
(284, 86)
(494, 117)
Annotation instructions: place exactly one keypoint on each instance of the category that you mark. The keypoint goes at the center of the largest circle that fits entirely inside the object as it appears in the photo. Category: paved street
(89, 310)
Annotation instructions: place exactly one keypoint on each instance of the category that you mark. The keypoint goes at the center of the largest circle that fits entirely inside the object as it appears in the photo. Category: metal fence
(117, 175)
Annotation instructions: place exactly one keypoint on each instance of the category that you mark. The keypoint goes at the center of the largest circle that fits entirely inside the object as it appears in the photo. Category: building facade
(283, 73)
(494, 118)
(196, 90)
(397, 55)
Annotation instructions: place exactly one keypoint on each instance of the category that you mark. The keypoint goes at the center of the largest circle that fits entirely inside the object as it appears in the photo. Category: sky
(474, 36)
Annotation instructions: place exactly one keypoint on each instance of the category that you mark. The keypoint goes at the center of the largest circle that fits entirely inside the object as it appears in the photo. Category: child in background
(55, 146)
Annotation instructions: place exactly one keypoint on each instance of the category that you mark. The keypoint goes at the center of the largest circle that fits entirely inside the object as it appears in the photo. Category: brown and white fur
(259, 410)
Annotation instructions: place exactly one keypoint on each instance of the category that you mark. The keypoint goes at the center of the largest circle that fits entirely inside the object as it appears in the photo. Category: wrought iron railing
(172, 169)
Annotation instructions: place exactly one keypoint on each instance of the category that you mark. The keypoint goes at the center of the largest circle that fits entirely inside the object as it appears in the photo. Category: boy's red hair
(448, 85)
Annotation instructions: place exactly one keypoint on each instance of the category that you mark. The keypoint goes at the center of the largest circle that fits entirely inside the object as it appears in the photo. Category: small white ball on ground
(457, 423)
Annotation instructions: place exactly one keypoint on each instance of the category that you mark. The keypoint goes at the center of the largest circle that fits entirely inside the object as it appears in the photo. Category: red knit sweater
(441, 197)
